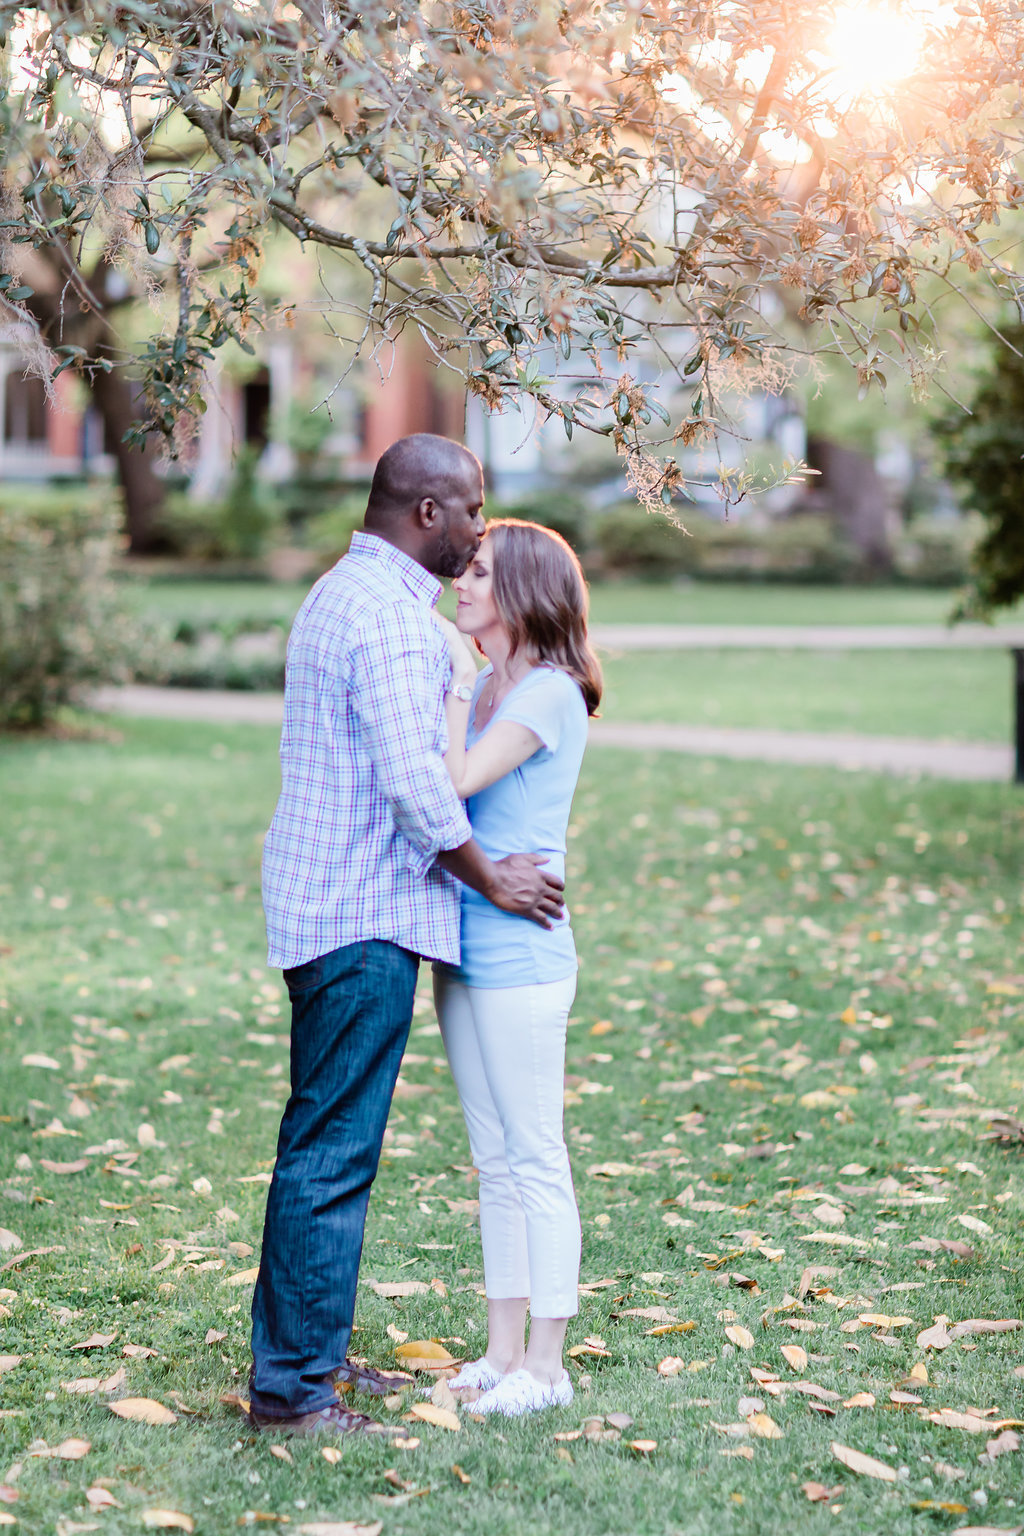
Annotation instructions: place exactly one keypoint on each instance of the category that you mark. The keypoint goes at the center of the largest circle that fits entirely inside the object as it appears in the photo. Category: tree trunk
(851, 487)
(144, 490)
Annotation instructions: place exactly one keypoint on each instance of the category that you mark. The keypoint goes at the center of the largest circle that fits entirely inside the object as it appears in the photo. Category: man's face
(460, 524)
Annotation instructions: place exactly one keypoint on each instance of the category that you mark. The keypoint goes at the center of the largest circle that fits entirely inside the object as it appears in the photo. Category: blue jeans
(351, 1012)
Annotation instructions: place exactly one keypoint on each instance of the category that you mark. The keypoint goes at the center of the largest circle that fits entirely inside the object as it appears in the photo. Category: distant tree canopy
(548, 191)
(984, 457)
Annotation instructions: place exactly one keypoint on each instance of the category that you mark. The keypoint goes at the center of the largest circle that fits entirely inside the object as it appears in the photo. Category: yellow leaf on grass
(167, 1520)
(423, 1355)
(390, 1289)
(101, 1498)
(950, 1418)
(860, 1400)
(883, 1320)
(143, 1410)
(936, 1337)
(795, 1356)
(919, 1372)
(441, 1418)
(244, 1277)
(78, 1166)
(331, 1454)
(7, 1519)
(671, 1365)
(283, 1454)
(866, 1465)
(339, 1528)
(643, 1447)
(73, 1450)
(740, 1336)
(764, 1426)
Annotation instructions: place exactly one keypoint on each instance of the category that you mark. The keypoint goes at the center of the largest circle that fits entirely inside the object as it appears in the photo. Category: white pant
(506, 1048)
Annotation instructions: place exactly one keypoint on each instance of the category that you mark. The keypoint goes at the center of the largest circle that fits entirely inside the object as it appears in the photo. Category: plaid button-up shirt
(366, 802)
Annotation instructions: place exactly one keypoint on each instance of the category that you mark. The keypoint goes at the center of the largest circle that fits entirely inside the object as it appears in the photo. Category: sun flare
(872, 48)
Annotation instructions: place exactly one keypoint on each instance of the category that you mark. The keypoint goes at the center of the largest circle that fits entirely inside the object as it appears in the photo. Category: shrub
(558, 509)
(63, 622)
(803, 548)
(983, 449)
(934, 552)
(329, 533)
(240, 527)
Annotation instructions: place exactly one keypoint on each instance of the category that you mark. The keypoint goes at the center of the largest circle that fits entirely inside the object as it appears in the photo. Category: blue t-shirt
(526, 811)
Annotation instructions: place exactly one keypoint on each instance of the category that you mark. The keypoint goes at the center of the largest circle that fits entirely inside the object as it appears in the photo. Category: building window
(24, 410)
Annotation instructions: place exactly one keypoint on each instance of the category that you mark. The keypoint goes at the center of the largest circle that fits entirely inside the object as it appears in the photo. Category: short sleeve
(548, 707)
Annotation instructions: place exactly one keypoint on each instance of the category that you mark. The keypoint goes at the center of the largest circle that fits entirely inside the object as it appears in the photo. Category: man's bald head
(422, 465)
(426, 498)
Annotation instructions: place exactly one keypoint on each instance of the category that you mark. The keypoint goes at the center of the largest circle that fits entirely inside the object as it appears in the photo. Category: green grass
(798, 987)
(207, 601)
(940, 695)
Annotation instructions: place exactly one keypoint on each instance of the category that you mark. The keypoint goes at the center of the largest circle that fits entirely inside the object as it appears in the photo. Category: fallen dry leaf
(96, 1341)
(143, 1410)
(244, 1277)
(392, 1289)
(744, 1451)
(883, 1320)
(904, 1399)
(424, 1355)
(867, 1466)
(101, 1498)
(1009, 1440)
(795, 1356)
(37, 1059)
(671, 1365)
(339, 1528)
(140, 1352)
(860, 1400)
(331, 1454)
(985, 1325)
(818, 1493)
(8, 1362)
(78, 1166)
(643, 1447)
(214, 1335)
(950, 1418)
(441, 1418)
(72, 1450)
(740, 1336)
(167, 1520)
(936, 1337)
(764, 1426)
(462, 1475)
(283, 1454)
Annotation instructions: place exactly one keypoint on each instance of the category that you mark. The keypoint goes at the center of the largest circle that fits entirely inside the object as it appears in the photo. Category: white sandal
(519, 1393)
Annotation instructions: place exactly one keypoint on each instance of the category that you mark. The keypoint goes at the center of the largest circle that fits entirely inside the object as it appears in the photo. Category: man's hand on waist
(515, 884)
(523, 887)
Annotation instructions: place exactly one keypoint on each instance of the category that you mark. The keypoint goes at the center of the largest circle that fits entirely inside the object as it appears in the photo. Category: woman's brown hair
(541, 594)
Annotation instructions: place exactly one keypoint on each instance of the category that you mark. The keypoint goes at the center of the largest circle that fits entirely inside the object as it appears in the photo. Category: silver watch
(462, 691)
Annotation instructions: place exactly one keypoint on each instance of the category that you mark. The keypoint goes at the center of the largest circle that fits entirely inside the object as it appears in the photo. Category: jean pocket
(303, 978)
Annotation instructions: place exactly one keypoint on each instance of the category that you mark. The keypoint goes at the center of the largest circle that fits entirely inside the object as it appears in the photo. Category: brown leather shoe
(333, 1420)
(354, 1377)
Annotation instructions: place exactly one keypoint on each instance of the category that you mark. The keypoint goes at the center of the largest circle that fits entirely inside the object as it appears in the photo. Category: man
(360, 878)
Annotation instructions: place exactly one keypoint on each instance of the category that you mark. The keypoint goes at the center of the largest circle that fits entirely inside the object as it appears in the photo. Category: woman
(517, 733)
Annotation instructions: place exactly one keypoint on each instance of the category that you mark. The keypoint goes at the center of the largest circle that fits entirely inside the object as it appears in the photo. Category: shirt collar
(419, 581)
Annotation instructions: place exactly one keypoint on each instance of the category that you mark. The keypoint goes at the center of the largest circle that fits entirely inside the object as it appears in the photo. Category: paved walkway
(877, 754)
(806, 637)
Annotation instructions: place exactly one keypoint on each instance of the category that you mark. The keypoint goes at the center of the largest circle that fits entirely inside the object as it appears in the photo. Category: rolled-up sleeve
(392, 682)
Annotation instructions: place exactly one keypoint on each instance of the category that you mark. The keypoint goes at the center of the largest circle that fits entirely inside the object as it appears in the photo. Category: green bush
(801, 548)
(241, 527)
(555, 508)
(935, 553)
(329, 533)
(983, 450)
(63, 622)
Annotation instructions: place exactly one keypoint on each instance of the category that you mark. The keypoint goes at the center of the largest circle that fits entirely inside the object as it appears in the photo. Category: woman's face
(477, 612)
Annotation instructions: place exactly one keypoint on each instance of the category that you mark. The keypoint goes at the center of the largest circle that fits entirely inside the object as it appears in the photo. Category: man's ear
(427, 512)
